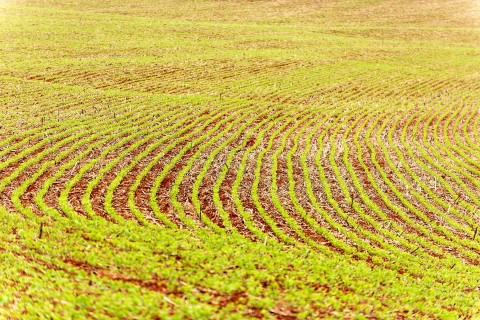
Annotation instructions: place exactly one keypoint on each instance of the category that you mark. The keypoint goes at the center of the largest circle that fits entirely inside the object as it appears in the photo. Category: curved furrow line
(165, 179)
(375, 223)
(27, 191)
(447, 234)
(461, 135)
(319, 218)
(11, 87)
(467, 177)
(183, 79)
(201, 188)
(250, 90)
(20, 152)
(354, 91)
(460, 162)
(458, 135)
(205, 189)
(297, 94)
(127, 82)
(59, 76)
(409, 178)
(406, 228)
(460, 144)
(262, 181)
(39, 132)
(436, 170)
(49, 197)
(58, 198)
(31, 148)
(300, 188)
(312, 165)
(375, 92)
(283, 171)
(261, 226)
(190, 135)
(365, 200)
(363, 235)
(390, 173)
(278, 188)
(453, 152)
(362, 93)
(442, 164)
(447, 168)
(308, 91)
(179, 74)
(144, 181)
(22, 170)
(410, 244)
(465, 131)
(44, 106)
(474, 138)
(34, 182)
(464, 163)
(118, 193)
(422, 118)
(138, 190)
(76, 188)
(17, 143)
(426, 88)
(310, 170)
(223, 194)
(93, 194)
(352, 202)
(470, 126)
(179, 193)
(384, 179)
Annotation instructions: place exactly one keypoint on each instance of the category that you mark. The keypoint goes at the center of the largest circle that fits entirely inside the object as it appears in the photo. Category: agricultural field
(207, 159)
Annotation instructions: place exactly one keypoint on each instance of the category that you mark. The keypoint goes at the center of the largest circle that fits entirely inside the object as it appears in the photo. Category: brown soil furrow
(228, 203)
(26, 174)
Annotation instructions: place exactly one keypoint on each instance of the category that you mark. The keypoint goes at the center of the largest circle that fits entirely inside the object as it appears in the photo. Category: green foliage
(239, 159)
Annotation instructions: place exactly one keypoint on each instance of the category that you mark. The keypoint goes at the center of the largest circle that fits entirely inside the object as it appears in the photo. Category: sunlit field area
(207, 159)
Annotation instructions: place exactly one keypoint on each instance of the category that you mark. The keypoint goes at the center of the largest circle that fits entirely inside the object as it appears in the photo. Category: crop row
(364, 178)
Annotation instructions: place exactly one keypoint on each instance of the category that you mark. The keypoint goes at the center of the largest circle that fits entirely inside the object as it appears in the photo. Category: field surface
(209, 159)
